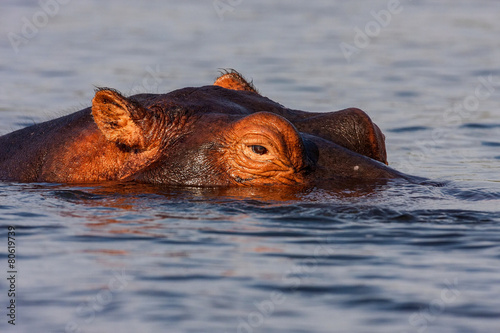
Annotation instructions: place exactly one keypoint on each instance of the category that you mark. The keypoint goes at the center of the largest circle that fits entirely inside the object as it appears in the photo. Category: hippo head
(229, 134)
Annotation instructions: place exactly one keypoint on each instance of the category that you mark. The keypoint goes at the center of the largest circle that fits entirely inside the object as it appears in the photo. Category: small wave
(480, 126)
(406, 93)
(475, 194)
(490, 144)
(409, 129)
(75, 195)
(485, 72)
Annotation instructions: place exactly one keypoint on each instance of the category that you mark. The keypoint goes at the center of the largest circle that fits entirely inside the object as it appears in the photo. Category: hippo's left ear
(119, 118)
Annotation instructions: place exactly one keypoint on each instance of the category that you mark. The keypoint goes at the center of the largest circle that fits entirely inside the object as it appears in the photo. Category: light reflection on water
(190, 256)
(387, 257)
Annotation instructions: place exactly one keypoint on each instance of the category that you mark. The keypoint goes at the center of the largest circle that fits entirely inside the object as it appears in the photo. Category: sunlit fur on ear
(116, 116)
(231, 79)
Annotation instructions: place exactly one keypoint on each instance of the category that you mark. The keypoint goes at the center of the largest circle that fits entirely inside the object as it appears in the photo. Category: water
(394, 257)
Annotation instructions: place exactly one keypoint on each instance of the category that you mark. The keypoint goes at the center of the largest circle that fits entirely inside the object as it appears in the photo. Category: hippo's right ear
(119, 118)
(235, 81)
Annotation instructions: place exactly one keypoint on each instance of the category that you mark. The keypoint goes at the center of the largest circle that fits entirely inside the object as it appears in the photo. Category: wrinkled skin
(225, 134)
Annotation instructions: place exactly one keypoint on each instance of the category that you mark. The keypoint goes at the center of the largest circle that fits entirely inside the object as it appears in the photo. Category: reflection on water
(216, 255)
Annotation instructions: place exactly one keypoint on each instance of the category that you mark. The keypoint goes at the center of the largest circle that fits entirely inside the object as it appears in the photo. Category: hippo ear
(234, 81)
(118, 118)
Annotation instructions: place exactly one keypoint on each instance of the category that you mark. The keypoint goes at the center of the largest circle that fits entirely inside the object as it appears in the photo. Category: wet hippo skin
(225, 134)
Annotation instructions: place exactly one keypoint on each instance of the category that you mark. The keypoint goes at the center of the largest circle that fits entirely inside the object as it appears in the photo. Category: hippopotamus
(224, 134)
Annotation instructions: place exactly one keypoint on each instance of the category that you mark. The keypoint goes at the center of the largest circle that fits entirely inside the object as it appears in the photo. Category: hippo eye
(259, 150)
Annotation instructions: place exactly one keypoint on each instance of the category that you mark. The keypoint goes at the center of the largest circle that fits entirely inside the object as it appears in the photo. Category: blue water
(392, 257)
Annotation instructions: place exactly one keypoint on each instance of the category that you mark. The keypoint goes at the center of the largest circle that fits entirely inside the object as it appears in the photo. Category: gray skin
(188, 136)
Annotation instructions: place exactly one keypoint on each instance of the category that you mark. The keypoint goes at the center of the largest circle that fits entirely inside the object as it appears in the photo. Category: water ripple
(408, 129)
(480, 126)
